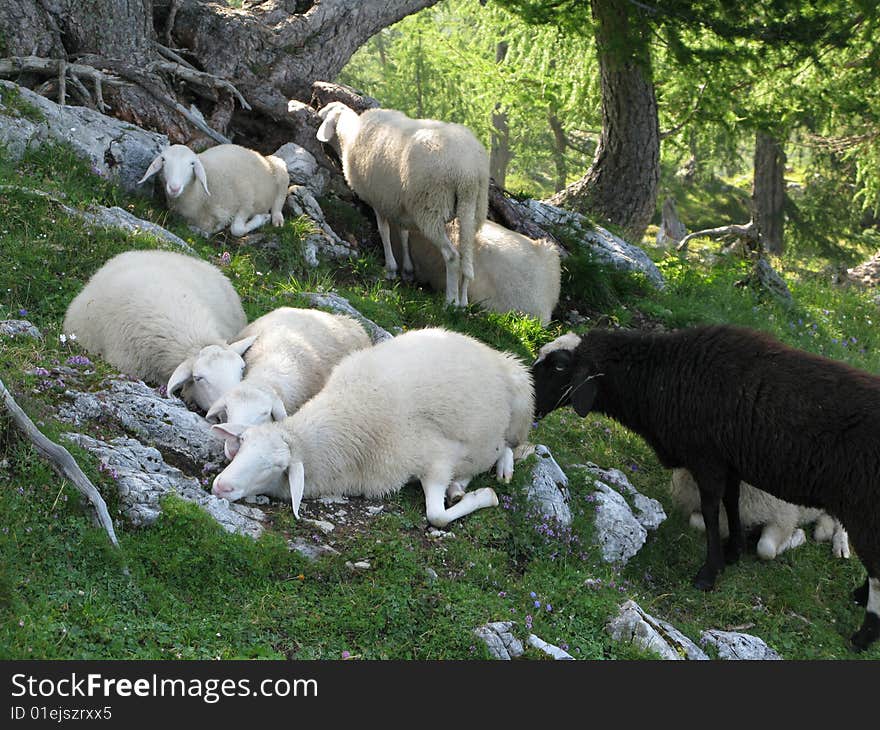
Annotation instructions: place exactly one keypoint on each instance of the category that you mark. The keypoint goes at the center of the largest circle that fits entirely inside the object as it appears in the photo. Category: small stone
(548, 490)
(19, 328)
(374, 509)
(551, 649)
(634, 626)
(260, 499)
(322, 525)
(499, 638)
(309, 549)
(733, 645)
(358, 565)
(436, 534)
(333, 499)
(431, 575)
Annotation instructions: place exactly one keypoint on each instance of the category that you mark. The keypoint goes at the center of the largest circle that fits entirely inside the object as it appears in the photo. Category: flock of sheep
(307, 407)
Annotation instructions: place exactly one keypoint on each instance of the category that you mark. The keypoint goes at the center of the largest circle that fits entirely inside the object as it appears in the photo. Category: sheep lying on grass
(779, 521)
(731, 405)
(430, 404)
(511, 272)
(294, 351)
(418, 174)
(153, 314)
(226, 185)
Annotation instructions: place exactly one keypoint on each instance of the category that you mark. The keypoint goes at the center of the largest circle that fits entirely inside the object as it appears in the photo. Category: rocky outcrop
(548, 489)
(632, 625)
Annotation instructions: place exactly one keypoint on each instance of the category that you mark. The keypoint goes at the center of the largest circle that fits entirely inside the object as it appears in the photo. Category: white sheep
(160, 316)
(237, 187)
(418, 174)
(779, 521)
(511, 272)
(430, 404)
(294, 351)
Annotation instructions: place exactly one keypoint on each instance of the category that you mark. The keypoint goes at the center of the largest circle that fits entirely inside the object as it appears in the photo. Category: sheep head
(206, 376)
(330, 115)
(179, 164)
(247, 404)
(262, 461)
(561, 378)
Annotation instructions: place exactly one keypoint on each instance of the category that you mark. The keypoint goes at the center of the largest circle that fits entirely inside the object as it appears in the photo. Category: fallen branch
(60, 460)
(749, 232)
(194, 76)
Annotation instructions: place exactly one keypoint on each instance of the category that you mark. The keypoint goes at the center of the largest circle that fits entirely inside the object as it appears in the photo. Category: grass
(194, 591)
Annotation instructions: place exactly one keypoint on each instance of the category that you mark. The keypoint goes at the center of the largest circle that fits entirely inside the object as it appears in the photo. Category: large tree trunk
(768, 191)
(560, 145)
(500, 153)
(271, 51)
(621, 185)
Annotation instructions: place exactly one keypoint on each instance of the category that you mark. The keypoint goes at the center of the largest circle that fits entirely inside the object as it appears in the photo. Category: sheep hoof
(277, 219)
(408, 275)
(390, 274)
(705, 579)
(454, 493)
(732, 551)
(868, 633)
(860, 594)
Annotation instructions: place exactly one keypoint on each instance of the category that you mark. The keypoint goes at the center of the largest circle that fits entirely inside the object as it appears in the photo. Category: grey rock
(322, 525)
(431, 575)
(323, 242)
(548, 490)
(550, 649)
(341, 304)
(633, 625)
(333, 499)
(436, 534)
(649, 512)
(604, 245)
(118, 151)
(358, 565)
(260, 499)
(19, 328)
(618, 533)
(310, 550)
(736, 646)
(499, 638)
(303, 168)
(143, 478)
(164, 422)
(116, 217)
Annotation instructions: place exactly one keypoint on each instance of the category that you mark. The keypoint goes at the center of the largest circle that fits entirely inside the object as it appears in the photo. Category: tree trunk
(560, 144)
(500, 153)
(621, 185)
(271, 51)
(768, 191)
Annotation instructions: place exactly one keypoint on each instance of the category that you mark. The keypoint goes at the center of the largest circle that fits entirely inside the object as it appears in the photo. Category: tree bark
(499, 148)
(621, 185)
(768, 192)
(560, 145)
(271, 51)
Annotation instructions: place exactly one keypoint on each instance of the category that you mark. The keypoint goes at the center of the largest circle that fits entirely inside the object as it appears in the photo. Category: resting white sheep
(511, 272)
(430, 404)
(418, 174)
(292, 355)
(226, 185)
(779, 521)
(153, 314)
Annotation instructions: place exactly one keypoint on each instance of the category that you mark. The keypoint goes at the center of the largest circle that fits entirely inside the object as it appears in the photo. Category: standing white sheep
(154, 314)
(779, 521)
(292, 355)
(511, 272)
(226, 185)
(418, 174)
(430, 404)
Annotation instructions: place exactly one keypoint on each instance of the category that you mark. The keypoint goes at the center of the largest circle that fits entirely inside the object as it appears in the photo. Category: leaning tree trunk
(172, 54)
(621, 185)
(768, 191)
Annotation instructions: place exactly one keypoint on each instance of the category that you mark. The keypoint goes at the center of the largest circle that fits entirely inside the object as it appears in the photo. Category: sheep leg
(385, 235)
(504, 466)
(860, 594)
(773, 537)
(436, 233)
(277, 208)
(870, 629)
(735, 541)
(241, 226)
(712, 487)
(407, 261)
(435, 493)
(455, 491)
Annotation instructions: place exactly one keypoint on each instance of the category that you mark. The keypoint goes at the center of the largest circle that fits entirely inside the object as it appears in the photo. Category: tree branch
(749, 231)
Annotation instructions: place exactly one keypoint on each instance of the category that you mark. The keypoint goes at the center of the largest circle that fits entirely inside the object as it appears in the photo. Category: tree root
(60, 460)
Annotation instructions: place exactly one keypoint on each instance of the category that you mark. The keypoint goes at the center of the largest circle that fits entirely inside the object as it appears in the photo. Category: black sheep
(732, 404)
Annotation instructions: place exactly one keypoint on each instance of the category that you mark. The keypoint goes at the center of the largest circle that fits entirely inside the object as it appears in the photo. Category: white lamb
(292, 355)
(234, 186)
(418, 174)
(152, 314)
(430, 404)
(511, 272)
(779, 520)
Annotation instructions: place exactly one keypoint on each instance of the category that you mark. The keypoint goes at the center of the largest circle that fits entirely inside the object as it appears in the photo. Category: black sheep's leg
(710, 502)
(860, 594)
(870, 629)
(735, 541)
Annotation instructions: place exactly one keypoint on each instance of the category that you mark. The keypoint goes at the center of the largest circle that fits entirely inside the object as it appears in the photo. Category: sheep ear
(583, 394)
(182, 374)
(199, 170)
(243, 345)
(279, 412)
(216, 413)
(327, 130)
(154, 167)
(297, 479)
(231, 433)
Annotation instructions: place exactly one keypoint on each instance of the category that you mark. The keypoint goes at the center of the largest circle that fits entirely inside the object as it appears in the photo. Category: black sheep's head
(561, 378)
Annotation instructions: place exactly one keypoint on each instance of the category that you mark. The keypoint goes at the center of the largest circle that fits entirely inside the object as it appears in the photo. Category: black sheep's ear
(583, 393)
